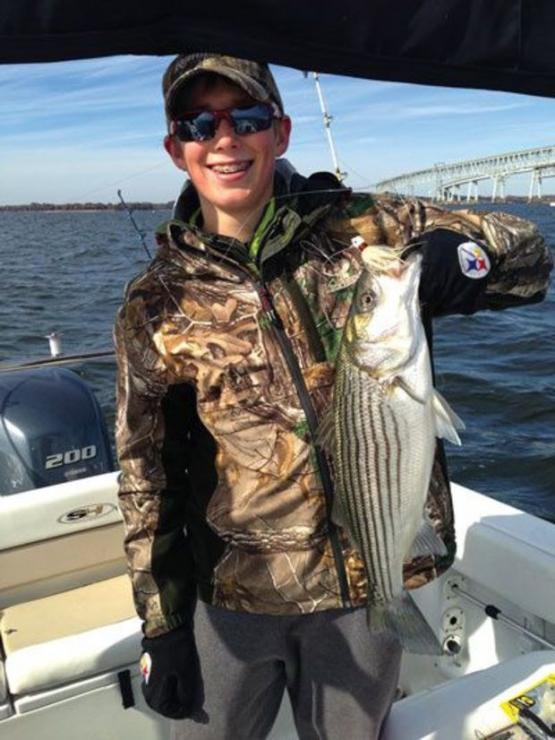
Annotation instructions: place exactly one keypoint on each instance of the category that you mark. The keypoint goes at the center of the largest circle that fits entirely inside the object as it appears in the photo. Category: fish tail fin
(402, 618)
(446, 420)
(376, 615)
(427, 541)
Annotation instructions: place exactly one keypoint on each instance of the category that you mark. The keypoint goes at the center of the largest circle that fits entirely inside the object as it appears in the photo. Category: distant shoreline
(148, 206)
(79, 207)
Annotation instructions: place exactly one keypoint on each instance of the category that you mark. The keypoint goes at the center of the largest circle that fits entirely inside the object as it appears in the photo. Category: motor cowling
(51, 430)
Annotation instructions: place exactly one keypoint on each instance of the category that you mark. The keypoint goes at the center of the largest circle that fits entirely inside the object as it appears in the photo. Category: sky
(77, 131)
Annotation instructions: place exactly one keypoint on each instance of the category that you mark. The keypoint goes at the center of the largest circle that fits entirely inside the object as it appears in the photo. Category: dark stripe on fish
(390, 460)
(377, 500)
(371, 473)
(358, 516)
(398, 461)
(358, 520)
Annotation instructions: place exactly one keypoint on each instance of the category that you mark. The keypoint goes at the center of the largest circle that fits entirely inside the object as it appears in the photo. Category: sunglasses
(202, 125)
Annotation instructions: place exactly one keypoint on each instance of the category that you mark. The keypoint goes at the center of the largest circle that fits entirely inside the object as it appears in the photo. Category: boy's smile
(233, 174)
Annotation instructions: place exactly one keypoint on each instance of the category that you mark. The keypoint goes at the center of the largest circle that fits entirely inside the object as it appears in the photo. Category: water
(66, 271)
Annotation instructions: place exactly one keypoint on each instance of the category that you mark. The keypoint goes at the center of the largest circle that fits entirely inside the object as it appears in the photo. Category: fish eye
(367, 300)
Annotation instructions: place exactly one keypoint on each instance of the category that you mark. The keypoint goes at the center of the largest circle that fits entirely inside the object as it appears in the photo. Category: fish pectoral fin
(427, 542)
(446, 420)
(411, 389)
(325, 433)
(403, 619)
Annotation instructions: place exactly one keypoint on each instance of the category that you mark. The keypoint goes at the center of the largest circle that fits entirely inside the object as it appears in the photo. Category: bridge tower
(535, 180)
(498, 187)
(472, 186)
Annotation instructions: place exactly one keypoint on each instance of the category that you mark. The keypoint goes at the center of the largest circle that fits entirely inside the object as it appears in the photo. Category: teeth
(229, 168)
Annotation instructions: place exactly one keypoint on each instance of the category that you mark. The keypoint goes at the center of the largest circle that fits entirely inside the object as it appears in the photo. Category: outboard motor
(51, 430)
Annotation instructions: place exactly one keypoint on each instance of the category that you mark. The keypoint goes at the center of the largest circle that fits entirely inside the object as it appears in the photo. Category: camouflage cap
(253, 77)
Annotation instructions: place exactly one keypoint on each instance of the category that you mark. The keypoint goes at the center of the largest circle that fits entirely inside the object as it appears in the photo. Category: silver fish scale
(372, 472)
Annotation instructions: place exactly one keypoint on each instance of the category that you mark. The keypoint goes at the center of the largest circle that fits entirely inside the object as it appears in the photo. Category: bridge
(444, 182)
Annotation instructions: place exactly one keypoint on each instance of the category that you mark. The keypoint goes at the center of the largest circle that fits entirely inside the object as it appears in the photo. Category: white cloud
(73, 128)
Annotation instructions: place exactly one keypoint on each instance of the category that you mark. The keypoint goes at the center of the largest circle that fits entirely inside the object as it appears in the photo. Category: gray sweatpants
(340, 678)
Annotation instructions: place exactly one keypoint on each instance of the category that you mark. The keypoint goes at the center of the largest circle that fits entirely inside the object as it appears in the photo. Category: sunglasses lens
(199, 127)
(251, 120)
(202, 126)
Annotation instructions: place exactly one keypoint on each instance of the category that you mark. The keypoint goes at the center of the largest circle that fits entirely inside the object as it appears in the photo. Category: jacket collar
(300, 203)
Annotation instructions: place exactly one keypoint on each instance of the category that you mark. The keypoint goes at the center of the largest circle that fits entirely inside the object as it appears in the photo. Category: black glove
(455, 271)
(172, 683)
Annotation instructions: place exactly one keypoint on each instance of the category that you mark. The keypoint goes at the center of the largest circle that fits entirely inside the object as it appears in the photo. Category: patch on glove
(473, 260)
(145, 666)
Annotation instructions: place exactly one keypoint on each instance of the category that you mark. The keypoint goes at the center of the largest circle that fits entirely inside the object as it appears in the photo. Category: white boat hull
(64, 679)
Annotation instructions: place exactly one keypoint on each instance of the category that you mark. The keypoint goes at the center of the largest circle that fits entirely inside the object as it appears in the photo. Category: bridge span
(444, 182)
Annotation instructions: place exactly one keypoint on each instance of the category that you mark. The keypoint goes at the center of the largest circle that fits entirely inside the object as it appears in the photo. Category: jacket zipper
(311, 418)
(312, 421)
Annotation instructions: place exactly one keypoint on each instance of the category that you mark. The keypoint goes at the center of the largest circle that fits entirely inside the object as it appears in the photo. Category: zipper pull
(268, 307)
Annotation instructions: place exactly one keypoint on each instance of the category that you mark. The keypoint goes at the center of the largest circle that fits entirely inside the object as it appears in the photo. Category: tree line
(134, 205)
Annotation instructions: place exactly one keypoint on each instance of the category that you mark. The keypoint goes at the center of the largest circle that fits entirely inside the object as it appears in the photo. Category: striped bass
(382, 429)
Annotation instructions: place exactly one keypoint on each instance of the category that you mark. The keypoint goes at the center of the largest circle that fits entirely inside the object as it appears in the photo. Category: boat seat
(469, 707)
(71, 635)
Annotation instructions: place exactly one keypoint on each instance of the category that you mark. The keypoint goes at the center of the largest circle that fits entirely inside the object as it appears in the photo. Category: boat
(71, 637)
(69, 634)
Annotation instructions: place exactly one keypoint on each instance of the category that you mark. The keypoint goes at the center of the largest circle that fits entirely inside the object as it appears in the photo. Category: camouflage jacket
(225, 365)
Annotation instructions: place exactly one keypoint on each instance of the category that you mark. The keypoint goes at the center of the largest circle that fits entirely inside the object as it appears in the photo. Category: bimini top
(491, 44)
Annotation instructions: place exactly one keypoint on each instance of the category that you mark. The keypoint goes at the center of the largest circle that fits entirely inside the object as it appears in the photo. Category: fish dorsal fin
(446, 420)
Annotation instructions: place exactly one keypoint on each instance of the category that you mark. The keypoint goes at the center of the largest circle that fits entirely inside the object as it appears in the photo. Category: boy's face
(240, 193)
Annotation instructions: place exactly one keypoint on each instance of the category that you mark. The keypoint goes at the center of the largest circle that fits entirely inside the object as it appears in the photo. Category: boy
(226, 349)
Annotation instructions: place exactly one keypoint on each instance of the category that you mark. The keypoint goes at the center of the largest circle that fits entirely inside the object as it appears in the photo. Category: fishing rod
(327, 118)
(139, 231)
